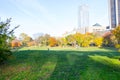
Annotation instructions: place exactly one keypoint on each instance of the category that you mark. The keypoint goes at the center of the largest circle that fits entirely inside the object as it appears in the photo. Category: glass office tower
(83, 18)
(114, 12)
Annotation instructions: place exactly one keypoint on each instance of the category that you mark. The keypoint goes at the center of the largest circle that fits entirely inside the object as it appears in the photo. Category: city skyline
(52, 17)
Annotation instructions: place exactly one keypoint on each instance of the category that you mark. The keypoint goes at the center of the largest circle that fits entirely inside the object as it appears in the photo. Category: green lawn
(67, 63)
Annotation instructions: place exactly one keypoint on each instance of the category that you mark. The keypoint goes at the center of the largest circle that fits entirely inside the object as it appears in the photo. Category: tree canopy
(6, 35)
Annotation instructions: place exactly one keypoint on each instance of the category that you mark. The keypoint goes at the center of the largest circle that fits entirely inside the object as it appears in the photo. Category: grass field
(35, 63)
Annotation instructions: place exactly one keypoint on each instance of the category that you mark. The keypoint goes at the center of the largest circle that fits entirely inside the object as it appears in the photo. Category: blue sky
(54, 17)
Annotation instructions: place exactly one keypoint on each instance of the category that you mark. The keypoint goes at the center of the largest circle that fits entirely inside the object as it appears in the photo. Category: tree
(37, 37)
(25, 38)
(87, 39)
(62, 41)
(16, 43)
(98, 41)
(46, 39)
(116, 33)
(43, 40)
(52, 42)
(79, 38)
(31, 43)
(6, 36)
(71, 40)
(109, 39)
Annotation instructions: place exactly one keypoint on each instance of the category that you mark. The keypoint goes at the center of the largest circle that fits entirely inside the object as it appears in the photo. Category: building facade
(97, 28)
(83, 19)
(114, 13)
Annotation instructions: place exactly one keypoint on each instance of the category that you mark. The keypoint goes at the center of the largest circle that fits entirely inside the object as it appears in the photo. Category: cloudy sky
(54, 17)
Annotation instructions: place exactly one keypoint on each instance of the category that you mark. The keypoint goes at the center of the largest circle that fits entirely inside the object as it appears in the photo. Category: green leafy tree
(46, 39)
(6, 36)
(62, 41)
(71, 40)
(25, 38)
(43, 40)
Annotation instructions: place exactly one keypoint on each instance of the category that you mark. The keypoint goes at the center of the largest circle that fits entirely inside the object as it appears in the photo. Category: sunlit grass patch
(47, 70)
(106, 60)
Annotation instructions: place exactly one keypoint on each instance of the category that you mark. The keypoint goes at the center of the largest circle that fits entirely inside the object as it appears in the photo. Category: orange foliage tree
(31, 43)
(52, 42)
(16, 43)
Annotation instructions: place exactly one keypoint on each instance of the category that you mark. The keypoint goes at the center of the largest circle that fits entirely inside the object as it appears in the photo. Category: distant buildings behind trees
(97, 28)
(91, 29)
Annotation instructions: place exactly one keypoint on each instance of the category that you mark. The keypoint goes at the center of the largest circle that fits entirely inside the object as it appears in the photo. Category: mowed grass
(37, 63)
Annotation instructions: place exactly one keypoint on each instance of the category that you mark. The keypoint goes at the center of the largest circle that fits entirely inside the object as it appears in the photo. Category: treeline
(99, 39)
(43, 40)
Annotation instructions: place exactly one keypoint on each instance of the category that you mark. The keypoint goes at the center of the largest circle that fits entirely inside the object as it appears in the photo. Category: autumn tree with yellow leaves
(116, 33)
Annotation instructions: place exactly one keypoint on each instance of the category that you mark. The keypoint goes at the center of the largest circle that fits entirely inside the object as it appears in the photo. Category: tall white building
(114, 13)
(83, 19)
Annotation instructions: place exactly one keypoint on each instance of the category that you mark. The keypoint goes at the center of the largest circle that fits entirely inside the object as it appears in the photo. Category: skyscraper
(114, 13)
(83, 18)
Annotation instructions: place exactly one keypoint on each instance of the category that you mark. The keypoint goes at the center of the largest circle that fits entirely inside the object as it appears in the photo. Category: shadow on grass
(109, 48)
(61, 65)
